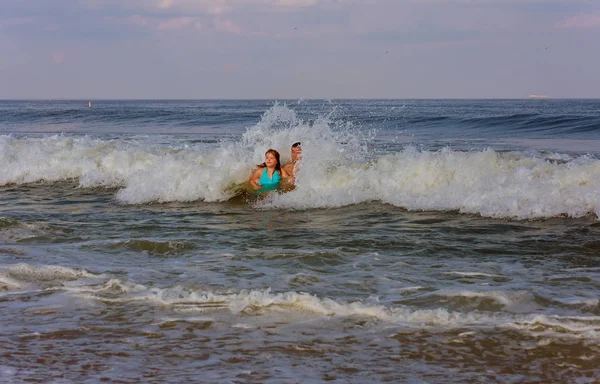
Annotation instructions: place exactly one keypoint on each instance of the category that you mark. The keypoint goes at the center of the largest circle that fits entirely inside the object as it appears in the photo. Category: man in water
(292, 168)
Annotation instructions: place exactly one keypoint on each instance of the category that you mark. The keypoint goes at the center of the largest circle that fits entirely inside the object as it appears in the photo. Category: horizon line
(528, 97)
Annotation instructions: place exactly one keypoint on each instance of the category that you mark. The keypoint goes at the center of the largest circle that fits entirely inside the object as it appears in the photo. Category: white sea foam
(264, 302)
(477, 275)
(254, 301)
(113, 286)
(560, 326)
(188, 319)
(297, 305)
(337, 170)
(7, 282)
(32, 274)
(487, 183)
(579, 301)
(409, 289)
(30, 278)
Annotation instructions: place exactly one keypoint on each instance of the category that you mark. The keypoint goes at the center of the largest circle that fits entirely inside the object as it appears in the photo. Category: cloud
(17, 21)
(156, 7)
(295, 3)
(133, 19)
(58, 57)
(502, 2)
(317, 46)
(589, 20)
(165, 4)
(138, 20)
(227, 26)
(220, 7)
(175, 23)
(169, 24)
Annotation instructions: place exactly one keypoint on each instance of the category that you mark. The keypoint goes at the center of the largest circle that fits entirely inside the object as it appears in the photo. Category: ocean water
(426, 241)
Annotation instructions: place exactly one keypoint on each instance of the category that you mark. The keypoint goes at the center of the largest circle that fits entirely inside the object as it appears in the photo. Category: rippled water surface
(408, 252)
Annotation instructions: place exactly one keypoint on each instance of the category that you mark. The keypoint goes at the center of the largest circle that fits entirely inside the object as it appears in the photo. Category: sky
(298, 49)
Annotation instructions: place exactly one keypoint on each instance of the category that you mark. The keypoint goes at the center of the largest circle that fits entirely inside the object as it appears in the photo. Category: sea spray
(339, 167)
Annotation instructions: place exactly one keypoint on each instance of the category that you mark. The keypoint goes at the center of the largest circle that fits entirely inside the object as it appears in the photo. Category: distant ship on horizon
(538, 96)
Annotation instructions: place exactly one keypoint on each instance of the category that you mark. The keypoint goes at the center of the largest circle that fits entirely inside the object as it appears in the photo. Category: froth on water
(340, 166)
(129, 257)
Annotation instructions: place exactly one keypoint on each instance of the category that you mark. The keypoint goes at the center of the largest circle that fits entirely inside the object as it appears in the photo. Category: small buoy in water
(90, 104)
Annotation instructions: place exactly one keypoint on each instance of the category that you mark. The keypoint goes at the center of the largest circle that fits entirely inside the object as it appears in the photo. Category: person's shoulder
(288, 167)
(257, 171)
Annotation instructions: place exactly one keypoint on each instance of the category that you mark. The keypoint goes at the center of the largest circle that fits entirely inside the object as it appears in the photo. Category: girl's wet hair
(296, 144)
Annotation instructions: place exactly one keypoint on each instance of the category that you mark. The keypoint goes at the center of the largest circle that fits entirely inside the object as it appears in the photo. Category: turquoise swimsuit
(269, 184)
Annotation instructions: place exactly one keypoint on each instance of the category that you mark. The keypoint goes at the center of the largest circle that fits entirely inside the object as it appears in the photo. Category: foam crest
(338, 168)
(324, 141)
(51, 277)
(145, 169)
(186, 176)
(560, 326)
(257, 301)
(7, 283)
(211, 175)
(53, 158)
(149, 170)
(112, 291)
(25, 273)
(300, 305)
(476, 275)
(488, 183)
(116, 286)
(12, 230)
(491, 184)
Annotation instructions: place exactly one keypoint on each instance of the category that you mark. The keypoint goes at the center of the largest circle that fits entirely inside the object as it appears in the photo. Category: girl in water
(269, 174)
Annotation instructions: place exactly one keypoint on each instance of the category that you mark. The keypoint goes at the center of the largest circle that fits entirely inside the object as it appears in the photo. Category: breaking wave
(339, 168)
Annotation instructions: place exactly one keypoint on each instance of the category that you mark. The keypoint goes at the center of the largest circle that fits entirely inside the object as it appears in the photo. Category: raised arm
(286, 175)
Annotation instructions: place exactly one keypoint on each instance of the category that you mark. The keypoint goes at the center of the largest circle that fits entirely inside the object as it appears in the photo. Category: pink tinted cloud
(170, 24)
(58, 57)
(220, 7)
(589, 20)
(218, 10)
(175, 23)
(227, 26)
(165, 4)
(295, 3)
(229, 68)
(138, 20)
(215, 7)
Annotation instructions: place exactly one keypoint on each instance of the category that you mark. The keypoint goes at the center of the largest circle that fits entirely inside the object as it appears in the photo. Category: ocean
(425, 241)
